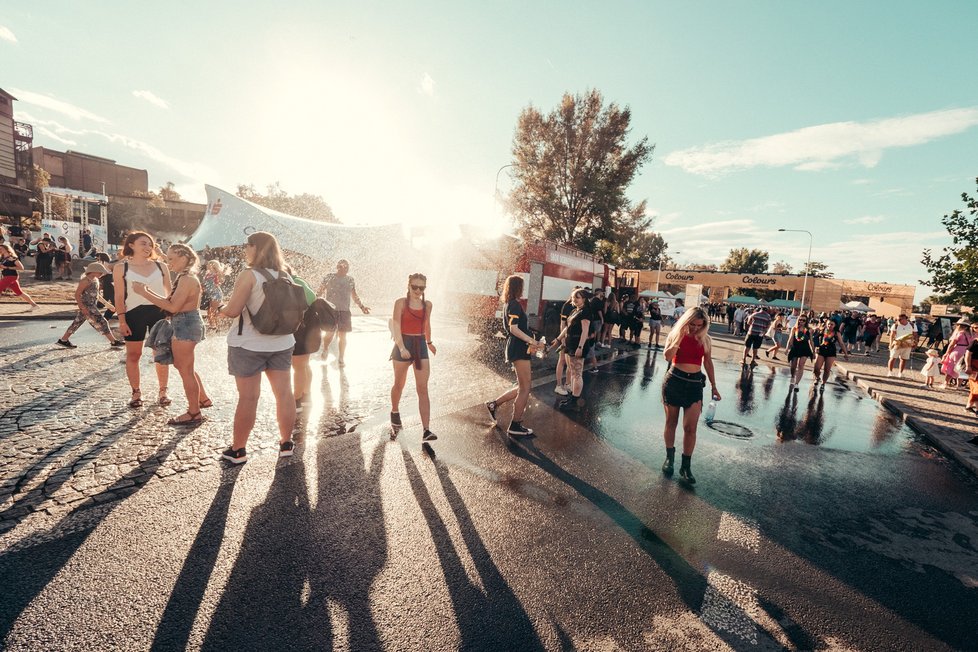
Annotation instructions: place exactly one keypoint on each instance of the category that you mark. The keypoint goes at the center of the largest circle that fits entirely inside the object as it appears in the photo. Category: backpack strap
(125, 284)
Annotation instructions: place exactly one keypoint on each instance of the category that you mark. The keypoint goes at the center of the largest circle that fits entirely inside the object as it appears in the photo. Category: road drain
(732, 430)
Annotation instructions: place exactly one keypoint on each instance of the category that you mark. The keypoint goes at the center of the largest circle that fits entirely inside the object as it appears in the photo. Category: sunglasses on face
(418, 288)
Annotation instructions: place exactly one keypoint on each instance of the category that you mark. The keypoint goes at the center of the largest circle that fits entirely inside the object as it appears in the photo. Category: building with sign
(821, 294)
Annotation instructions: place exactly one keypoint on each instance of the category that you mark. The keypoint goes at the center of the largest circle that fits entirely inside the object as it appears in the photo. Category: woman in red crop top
(688, 347)
(411, 329)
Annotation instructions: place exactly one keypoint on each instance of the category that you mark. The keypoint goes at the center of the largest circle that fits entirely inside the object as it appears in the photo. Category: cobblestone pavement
(69, 441)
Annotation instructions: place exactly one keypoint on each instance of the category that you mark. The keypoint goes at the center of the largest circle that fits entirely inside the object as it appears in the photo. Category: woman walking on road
(957, 346)
(689, 347)
(829, 343)
(519, 347)
(62, 259)
(137, 314)
(776, 333)
(250, 352)
(411, 325)
(88, 296)
(799, 351)
(10, 274)
(183, 305)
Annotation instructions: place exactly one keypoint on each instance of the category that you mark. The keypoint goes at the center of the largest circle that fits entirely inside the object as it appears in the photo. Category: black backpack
(282, 310)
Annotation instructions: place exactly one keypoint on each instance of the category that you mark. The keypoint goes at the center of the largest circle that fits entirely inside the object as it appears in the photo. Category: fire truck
(550, 272)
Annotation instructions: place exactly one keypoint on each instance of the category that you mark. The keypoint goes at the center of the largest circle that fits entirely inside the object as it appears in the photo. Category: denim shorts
(188, 326)
(243, 363)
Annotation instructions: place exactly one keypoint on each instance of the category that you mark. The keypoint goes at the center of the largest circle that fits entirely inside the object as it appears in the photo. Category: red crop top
(412, 321)
(691, 351)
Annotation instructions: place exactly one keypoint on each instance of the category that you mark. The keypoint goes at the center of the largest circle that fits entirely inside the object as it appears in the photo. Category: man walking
(757, 324)
(339, 288)
(903, 339)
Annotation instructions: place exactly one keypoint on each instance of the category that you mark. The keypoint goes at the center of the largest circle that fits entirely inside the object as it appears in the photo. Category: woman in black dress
(44, 260)
(520, 347)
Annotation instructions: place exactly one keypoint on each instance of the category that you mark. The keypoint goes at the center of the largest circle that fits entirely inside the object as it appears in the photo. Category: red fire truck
(550, 272)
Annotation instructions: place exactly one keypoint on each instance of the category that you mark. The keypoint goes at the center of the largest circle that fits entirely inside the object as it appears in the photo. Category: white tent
(651, 294)
(858, 306)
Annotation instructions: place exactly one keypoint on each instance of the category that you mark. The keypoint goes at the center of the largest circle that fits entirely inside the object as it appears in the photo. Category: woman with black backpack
(251, 352)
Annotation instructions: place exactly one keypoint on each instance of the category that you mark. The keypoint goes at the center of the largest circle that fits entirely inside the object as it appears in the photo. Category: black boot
(685, 473)
(667, 466)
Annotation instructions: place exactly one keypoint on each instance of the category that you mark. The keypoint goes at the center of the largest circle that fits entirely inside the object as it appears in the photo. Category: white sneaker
(559, 389)
(899, 374)
(889, 374)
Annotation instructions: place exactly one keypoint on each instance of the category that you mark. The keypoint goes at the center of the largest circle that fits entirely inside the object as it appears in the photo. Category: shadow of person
(768, 385)
(299, 565)
(175, 626)
(491, 617)
(745, 391)
(812, 425)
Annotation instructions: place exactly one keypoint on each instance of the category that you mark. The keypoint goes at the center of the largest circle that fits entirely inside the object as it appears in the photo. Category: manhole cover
(732, 430)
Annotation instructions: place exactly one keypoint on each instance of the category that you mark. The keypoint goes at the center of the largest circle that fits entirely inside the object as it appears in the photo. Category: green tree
(641, 251)
(817, 269)
(954, 273)
(780, 267)
(168, 192)
(745, 261)
(701, 267)
(311, 207)
(572, 168)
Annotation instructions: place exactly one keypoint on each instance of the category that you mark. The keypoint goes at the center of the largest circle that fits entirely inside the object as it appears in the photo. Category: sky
(856, 121)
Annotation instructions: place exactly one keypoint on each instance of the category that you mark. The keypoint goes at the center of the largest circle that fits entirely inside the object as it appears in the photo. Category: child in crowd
(932, 368)
(87, 296)
(213, 295)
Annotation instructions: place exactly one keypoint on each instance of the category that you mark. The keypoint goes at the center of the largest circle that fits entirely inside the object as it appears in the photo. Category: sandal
(206, 404)
(164, 400)
(137, 400)
(193, 419)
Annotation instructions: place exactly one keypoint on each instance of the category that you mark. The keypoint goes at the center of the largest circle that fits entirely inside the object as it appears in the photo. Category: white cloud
(7, 35)
(152, 98)
(824, 146)
(861, 182)
(53, 135)
(866, 219)
(56, 105)
(427, 85)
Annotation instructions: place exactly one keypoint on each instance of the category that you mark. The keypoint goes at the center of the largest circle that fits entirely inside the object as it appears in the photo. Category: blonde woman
(689, 348)
(251, 353)
(137, 314)
(183, 304)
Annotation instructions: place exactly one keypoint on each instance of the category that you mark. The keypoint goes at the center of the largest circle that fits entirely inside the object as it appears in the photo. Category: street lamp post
(495, 194)
(804, 286)
(659, 273)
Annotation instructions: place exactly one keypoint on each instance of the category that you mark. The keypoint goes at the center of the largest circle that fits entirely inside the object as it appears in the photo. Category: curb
(908, 416)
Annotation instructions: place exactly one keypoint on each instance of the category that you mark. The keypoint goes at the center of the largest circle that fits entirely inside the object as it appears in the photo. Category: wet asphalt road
(822, 523)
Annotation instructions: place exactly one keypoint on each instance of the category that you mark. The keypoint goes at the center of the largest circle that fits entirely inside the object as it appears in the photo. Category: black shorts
(307, 340)
(517, 350)
(140, 319)
(683, 389)
(344, 321)
(753, 341)
(417, 348)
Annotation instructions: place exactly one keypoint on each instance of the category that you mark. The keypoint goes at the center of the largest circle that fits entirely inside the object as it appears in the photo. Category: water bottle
(542, 351)
(710, 411)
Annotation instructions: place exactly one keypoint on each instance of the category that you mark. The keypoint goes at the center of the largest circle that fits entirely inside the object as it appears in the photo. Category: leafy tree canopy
(817, 269)
(780, 267)
(954, 273)
(311, 207)
(168, 193)
(642, 250)
(572, 168)
(745, 261)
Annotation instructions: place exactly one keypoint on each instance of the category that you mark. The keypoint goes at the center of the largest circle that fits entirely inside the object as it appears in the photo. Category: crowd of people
(157, 297)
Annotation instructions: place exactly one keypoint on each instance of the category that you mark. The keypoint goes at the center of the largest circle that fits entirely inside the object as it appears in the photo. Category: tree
(780, 267)
(168, 193)
(641, 251)
(745, 261)
(955, 272)
(817, 269)
(572, 168)
(311, 207)
(701, 267)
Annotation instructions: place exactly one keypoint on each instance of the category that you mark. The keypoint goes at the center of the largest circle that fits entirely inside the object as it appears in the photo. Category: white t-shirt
(790, 322)
(250, 339)
(901, 330)
(678, 312)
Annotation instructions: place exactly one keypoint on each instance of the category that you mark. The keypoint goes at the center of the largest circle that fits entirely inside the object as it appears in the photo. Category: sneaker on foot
(889, 374)
(66, 343)
(560, 389)
(118, 343)
(519, 430)
(239, 456)
(429, 436)
(491, 406)
(396, 419)
(899, 374)
(32, 308)
(286, 448)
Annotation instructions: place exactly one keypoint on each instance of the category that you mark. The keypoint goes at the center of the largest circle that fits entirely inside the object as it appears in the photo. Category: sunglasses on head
(419, 288)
